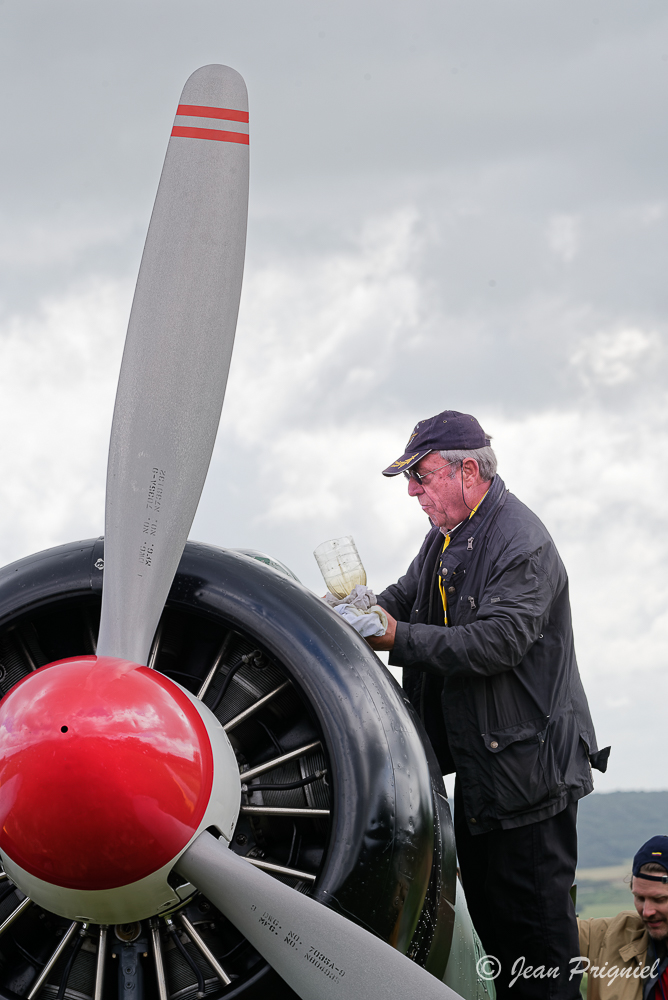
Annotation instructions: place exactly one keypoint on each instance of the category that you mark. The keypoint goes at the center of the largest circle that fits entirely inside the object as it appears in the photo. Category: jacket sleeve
(399, 598)
(593, 935)
(511, 615)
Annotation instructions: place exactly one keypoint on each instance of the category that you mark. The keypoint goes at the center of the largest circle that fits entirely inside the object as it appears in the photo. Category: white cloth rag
(360, 610)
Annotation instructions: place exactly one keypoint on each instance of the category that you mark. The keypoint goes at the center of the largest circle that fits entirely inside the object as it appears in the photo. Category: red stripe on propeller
(196, 111)
(209, 133)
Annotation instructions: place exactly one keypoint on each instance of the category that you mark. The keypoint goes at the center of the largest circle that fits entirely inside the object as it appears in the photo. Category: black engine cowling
(299, 677)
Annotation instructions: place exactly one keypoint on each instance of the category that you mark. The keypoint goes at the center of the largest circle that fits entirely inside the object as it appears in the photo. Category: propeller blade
(176, 358)
(319, 953)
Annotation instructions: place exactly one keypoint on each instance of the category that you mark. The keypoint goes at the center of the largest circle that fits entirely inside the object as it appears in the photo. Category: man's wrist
(384, 642)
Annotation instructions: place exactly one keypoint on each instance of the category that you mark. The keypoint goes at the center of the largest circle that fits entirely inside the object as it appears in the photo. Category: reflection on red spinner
(106, 771)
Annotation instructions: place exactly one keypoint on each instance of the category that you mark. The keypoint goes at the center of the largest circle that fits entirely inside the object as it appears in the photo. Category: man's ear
(470, 471)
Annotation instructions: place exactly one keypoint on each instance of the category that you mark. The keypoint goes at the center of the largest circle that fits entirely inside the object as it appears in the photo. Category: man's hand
(381, 642)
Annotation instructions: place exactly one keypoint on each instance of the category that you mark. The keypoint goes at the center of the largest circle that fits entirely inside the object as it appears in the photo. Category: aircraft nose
(119, 738)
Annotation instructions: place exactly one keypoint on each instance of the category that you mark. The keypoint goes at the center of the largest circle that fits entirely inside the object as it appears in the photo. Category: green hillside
(612, 826)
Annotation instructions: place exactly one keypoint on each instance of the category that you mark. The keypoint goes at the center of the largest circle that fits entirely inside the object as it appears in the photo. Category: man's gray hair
(485, 458)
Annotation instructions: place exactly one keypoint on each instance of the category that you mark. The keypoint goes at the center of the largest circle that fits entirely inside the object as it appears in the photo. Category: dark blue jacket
(498, 689)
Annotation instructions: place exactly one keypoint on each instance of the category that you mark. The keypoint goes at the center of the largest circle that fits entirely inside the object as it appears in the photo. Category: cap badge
(405, 461)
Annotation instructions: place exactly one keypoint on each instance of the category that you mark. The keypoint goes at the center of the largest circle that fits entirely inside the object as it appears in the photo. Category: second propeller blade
(319, 953)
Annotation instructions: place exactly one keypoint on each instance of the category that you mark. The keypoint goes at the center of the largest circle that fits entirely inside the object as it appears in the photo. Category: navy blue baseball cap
(655, 850)
(447, 431)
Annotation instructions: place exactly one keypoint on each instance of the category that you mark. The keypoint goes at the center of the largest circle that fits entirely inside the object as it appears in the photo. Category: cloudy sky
(454, 203)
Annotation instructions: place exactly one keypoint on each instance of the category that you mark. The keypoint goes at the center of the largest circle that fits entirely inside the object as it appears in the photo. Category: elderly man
(626, 956)
(481, 624)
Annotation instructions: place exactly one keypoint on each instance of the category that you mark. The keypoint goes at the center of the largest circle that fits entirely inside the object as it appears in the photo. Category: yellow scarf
(441, 583)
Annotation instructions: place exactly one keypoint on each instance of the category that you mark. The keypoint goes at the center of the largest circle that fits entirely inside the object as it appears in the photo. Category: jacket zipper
(430, 609)
(493, 514)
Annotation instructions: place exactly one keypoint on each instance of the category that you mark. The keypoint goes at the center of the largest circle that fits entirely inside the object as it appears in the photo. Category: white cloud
(613, 357)
(595, 481)
(564, 236)
(328, 323)
(58, 374)
(318, 339)
(651, 213)
(304, 439)
(61, 239)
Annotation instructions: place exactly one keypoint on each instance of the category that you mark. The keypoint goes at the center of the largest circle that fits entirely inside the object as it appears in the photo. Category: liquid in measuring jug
(340, 565)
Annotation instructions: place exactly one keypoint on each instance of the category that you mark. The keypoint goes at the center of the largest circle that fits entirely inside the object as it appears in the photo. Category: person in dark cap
(626, 957)
(481, 625)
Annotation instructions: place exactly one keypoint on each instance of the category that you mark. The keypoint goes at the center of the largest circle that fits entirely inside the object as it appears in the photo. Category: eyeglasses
(419, 477)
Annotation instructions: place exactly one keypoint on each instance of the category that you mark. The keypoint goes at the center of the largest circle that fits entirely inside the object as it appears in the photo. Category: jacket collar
(486, 508)
(637, 943)
(468, 529)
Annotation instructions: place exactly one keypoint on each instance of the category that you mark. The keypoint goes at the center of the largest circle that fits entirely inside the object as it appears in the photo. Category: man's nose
(649, 909)
(414, 488)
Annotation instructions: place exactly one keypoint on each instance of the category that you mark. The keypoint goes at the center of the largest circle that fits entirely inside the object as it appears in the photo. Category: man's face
(651, 899)
(440, 496)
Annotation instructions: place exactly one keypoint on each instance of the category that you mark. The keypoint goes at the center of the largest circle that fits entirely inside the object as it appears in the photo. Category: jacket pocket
(523, 766)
